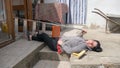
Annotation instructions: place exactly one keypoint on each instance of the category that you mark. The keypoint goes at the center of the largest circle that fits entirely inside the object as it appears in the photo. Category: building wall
(107, 6)
(50, 1)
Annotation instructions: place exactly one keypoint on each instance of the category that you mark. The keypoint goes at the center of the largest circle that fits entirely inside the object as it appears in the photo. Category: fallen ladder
(99, 12)
(34, 26)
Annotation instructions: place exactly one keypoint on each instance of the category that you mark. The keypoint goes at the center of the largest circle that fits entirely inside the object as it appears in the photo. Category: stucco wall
(107, 6)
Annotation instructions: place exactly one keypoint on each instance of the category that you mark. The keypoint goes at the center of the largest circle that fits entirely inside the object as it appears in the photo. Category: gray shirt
(73, 44)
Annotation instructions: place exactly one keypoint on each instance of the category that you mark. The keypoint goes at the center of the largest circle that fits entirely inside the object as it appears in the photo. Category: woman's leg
(51, 43)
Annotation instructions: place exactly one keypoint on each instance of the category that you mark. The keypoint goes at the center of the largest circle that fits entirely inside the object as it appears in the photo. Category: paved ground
(109, 58)
(52, 64)
(110, 44)
(16, 52)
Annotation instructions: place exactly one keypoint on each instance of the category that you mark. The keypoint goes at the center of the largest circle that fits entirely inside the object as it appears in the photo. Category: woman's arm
(76, 48)
(74, 44)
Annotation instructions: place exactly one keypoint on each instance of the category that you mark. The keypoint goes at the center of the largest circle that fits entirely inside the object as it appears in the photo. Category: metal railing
(99, 12)
(34, 25)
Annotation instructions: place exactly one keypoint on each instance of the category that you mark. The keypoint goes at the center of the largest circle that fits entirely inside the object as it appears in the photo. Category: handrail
(100, 15)
(106, 17)
(34, 25)
(100, 11)
(47, 23)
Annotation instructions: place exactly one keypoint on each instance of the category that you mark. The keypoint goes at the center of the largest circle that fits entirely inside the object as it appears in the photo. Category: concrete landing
(24, 54)
(19, 54)
(52, 64)
(109, 58)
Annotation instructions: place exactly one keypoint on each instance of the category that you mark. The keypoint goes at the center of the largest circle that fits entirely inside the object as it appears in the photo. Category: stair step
(20, 54)
(47, 54)
(52, 64)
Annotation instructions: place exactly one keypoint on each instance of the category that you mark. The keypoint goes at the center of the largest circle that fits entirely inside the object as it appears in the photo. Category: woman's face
(91, 43)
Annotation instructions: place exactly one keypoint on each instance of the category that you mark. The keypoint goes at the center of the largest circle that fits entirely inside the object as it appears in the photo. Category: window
(4, 36)
(2, 11)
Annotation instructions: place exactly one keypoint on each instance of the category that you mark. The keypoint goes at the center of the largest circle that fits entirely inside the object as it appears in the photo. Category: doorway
(8, 10)
(6, 23)
(3, 25)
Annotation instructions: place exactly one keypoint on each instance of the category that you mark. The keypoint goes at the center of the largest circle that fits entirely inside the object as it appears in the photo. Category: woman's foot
(29, 36)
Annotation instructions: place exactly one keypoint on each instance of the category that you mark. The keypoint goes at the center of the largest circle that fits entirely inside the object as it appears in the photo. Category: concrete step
(47, 54)
(52, 64)
(20, 54)
(95, 60)
(90, 60)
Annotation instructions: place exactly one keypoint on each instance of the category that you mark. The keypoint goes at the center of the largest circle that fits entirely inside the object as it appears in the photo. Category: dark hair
(98, 47)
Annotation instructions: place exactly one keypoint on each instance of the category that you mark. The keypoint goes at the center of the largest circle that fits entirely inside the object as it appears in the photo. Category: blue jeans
(50, 42)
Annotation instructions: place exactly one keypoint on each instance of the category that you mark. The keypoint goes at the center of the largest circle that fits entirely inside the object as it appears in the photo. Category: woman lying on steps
(67, 45)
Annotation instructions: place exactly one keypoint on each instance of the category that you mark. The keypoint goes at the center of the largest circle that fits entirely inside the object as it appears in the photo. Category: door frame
(10, 23)
(10, 19)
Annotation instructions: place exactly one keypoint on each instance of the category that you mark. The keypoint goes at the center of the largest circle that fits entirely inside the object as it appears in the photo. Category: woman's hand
(84, 32)
(60, 42)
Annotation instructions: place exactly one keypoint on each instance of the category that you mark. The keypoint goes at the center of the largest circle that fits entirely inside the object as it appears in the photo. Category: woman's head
(94, 45)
